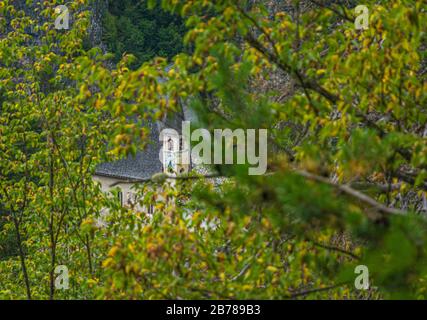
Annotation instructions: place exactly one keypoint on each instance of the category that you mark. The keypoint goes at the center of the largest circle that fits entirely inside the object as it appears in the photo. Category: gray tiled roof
(141, 166)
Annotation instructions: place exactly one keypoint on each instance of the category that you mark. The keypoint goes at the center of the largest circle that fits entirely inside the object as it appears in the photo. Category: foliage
(130, 27)
(347, 156)
(54, 127)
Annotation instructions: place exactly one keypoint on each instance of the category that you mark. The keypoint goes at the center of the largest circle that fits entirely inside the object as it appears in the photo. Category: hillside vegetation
(345, 187)
(130, 27)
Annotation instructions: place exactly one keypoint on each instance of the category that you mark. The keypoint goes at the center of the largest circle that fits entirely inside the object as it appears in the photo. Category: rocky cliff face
(97, 8)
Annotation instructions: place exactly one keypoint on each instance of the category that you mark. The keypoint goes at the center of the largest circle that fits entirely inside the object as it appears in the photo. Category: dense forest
(130, 27)
(340, 212)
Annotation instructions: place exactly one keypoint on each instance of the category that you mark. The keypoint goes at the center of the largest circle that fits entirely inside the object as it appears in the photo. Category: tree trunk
(22, 258)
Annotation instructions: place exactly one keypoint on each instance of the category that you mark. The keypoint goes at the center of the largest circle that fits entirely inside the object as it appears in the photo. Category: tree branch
(306, 292)
(351, 192)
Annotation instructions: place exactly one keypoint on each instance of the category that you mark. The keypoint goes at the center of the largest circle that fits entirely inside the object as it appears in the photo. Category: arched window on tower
(170, 144)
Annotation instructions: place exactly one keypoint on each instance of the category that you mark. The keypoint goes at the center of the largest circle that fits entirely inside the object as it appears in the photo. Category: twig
(351, 192)
(333, 248)
(342, 15)
(306, 292)
(167, 177)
